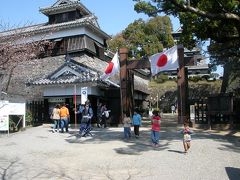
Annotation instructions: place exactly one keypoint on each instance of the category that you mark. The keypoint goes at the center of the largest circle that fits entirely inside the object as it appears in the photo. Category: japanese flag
(112, 68)
(164, 61)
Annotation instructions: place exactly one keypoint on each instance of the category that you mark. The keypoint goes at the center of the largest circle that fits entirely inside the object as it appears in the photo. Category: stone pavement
(37, 153)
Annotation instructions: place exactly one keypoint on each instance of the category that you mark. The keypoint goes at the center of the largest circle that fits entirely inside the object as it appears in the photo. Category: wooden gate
(200, 111)
(39, 111)
(220, 109)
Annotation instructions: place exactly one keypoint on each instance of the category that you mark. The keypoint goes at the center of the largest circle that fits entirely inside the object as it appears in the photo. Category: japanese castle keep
(76, 57)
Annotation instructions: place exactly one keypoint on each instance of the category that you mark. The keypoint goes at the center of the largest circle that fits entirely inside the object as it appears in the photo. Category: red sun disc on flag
(109, 68)
(162, 60)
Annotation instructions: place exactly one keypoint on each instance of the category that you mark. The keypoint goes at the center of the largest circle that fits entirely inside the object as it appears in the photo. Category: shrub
(28, 118)
(195, 78)
(205, 77)
(161, 78)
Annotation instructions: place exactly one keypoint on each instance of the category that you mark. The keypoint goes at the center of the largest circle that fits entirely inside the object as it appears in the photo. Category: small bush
(161, 78)
(205, 77)
(195, 78)
(28, 118)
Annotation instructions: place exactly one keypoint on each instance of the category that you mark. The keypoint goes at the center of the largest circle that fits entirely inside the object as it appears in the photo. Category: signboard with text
(7, 109)
(4, 123)
(84, 95)
(4, 118)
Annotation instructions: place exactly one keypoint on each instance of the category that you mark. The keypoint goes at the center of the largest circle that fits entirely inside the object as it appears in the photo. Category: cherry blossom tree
(16, 46)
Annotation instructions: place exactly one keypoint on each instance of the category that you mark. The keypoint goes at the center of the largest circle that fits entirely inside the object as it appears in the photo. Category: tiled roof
(64, 5)
(85, 69)
(72, 72)
(42, 28)
(141, 84)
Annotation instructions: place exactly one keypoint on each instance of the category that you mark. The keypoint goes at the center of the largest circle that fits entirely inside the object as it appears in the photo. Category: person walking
(137, 122)
(87, 114)
(64, 115)
(155, 132)
(173, 108)
(87, 111)
(186, 137)
(104, 113)
(127, 125)
(55, 116)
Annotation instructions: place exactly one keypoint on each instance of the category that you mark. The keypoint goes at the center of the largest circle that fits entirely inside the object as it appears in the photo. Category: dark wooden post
(123, 53)
(130, 91)
(183, 105)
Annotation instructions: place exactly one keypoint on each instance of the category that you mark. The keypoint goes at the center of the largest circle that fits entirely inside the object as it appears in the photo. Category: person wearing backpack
(56, 118)
(105, 115)
(87, 114)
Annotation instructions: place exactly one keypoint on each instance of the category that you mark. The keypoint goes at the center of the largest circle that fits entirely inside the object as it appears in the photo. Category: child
(127, 126)
(186, 137)
(155, 132)
(137, 122)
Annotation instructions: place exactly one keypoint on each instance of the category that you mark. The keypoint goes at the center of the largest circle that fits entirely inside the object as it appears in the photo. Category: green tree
(145, 38)
(217, 20)
(116, 42)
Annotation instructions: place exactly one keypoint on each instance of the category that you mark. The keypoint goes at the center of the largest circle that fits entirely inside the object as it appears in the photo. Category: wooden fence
(38, 111)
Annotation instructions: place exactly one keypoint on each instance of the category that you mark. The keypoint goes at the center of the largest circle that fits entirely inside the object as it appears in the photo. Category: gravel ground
(37, 153)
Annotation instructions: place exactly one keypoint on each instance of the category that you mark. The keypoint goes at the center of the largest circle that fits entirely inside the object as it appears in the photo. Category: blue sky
(113, 15)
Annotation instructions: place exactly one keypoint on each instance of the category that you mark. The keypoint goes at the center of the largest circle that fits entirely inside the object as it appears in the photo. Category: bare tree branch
(226, 15)
(15, 47)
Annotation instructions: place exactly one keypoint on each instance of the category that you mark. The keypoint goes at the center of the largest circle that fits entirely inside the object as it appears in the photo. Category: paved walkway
(37, 153)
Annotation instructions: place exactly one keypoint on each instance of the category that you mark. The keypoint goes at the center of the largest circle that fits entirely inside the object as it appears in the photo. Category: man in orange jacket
(64, 115)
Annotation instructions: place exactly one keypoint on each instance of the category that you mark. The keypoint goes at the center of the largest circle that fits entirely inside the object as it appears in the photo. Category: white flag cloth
(112, 68)
(164, 61)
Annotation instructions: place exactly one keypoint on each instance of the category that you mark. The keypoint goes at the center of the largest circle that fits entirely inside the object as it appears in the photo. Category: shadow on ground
(134, 145)
(170, 132)
(233, 173)
(11, 169)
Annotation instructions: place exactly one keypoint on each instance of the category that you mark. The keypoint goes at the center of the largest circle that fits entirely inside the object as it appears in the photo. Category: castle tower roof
(62, 6)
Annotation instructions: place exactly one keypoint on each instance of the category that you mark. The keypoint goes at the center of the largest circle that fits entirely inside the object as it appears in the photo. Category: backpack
(106, 113)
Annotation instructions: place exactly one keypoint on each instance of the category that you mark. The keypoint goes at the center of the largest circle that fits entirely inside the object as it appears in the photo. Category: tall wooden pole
(130, 91)
(183, 105)
(123, 53)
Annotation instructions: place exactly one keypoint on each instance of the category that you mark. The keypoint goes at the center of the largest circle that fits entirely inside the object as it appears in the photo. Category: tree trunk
(5, 82)
(226, 75)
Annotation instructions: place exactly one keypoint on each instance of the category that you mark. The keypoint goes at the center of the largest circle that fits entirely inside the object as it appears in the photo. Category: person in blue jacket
(136, 122)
